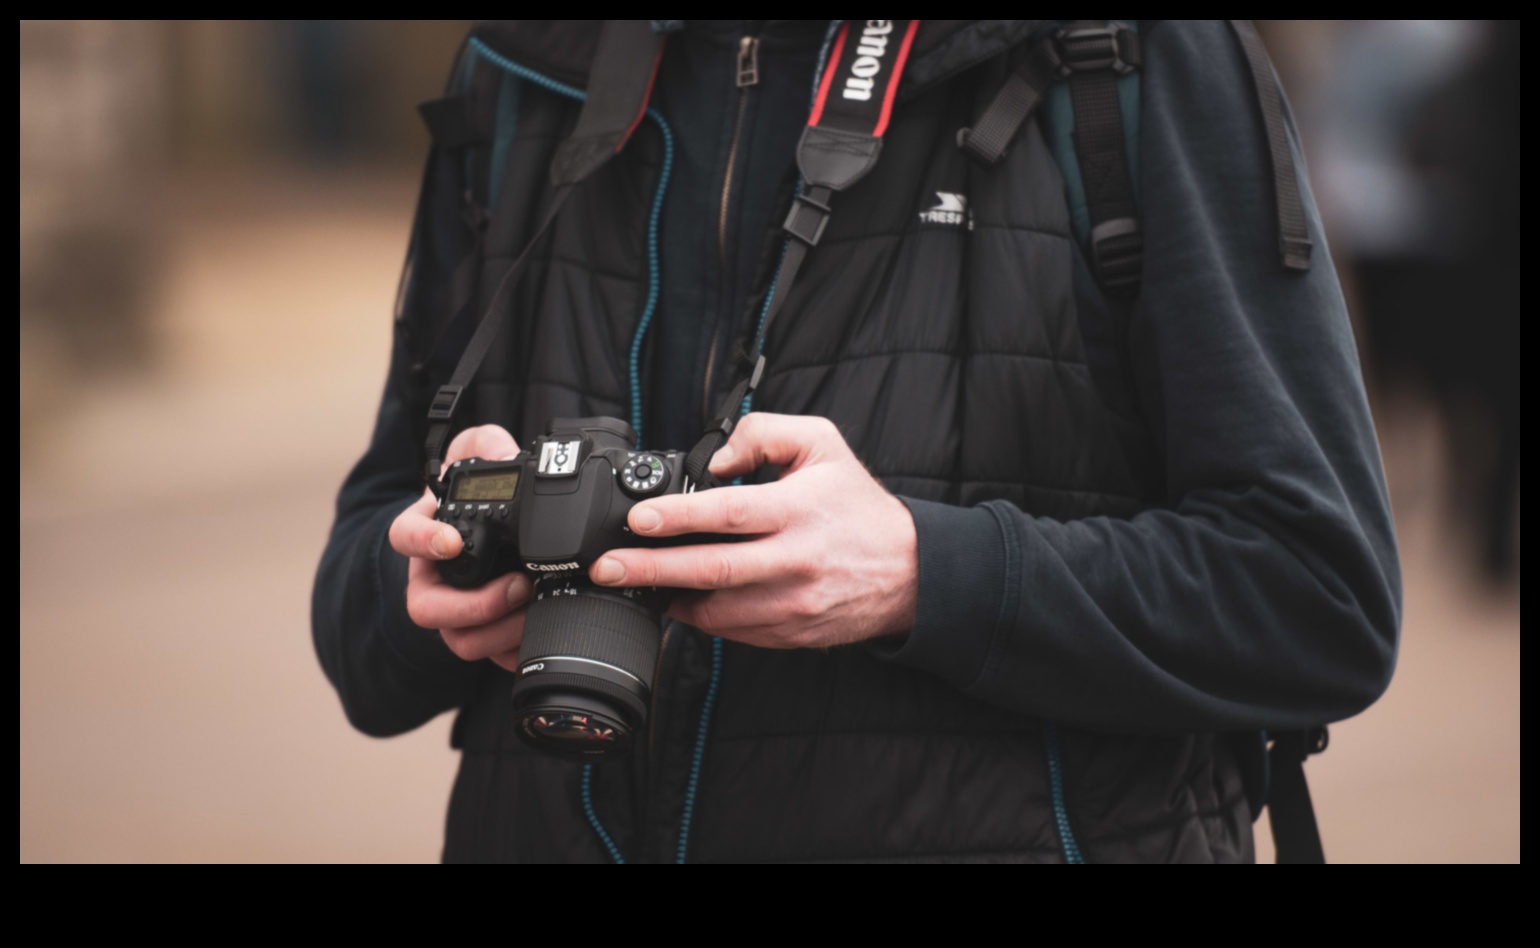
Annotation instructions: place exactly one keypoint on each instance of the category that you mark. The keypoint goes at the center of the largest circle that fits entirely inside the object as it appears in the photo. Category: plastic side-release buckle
(1091, 48)
(445, 401)
(1117, 253)
(1301, 744)
(807, 220)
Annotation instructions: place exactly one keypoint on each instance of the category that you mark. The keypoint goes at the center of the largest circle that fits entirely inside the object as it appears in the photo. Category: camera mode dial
(644, 475)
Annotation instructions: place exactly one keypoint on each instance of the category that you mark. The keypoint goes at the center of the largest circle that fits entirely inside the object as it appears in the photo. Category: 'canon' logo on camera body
(551, 567)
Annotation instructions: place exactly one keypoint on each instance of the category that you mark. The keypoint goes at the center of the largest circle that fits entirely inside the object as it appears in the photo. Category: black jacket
(1141, 527)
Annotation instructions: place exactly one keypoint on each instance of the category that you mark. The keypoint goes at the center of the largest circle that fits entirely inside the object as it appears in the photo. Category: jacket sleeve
(391, 674)
(1264, 591)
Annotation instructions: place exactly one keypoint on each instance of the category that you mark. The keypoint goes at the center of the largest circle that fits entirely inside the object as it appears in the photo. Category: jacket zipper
(747, 78)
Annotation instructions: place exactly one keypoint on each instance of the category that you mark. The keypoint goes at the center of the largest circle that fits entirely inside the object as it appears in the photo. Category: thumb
(492, 442)
(788, 441)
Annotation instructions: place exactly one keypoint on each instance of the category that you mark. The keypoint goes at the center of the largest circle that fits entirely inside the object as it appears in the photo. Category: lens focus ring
(594, 625)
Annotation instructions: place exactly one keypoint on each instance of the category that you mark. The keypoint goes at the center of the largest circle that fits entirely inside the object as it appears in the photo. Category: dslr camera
(589, 653)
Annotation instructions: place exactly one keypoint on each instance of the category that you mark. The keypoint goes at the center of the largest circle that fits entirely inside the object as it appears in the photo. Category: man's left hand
(830, 556)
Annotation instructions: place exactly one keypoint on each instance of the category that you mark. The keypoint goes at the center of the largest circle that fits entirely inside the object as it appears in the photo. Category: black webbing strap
(625, 64)
(458, 120)
(1092, 55)
(1096, 54)
(1296, 838)
(989, 137)
(464, 123)
(839, 147)
(1293, 237)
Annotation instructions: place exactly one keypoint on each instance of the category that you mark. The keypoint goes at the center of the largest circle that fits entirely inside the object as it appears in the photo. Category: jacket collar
(563, 49)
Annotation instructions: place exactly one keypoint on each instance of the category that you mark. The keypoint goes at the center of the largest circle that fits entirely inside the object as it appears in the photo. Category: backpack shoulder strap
(1091, 57)
(1293, 237)
(1098, 60)
(1097, 54)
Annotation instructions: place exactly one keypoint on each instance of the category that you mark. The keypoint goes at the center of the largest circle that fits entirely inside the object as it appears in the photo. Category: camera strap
(839, 147)
(620, 83)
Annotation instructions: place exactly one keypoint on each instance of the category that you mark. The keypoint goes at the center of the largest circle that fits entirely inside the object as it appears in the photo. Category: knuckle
(679, 516)
(806, 605)
(735, 509)
(463, 646)
(415, 610)
(803, 567)
(482, 610)
(642, 571)
(703, 614)
(718, 571)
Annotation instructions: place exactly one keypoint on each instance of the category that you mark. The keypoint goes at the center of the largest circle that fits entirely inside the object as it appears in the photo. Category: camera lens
(587, 663)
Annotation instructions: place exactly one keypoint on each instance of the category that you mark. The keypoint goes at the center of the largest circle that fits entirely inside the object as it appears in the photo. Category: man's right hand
(487, 622)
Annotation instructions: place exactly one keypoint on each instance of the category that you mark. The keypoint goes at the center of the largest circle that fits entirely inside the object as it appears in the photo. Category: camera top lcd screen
(499, 486)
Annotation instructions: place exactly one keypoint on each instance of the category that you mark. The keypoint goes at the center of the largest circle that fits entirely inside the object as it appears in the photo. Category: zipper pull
(748, 62)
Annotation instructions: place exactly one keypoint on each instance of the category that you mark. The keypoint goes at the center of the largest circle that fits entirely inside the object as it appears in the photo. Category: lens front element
(586, 679)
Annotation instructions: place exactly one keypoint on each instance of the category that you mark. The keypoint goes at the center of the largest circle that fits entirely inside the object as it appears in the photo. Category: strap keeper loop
(807, 220)
(445, 401)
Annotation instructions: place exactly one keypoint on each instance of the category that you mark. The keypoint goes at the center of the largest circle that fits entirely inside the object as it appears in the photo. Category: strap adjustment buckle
(473, 214)
(1302, 744)
(1094, 48)
(445, 401)
(1117, 253)
(807, 220)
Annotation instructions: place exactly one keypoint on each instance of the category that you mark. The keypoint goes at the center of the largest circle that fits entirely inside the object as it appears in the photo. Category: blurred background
(213, 217)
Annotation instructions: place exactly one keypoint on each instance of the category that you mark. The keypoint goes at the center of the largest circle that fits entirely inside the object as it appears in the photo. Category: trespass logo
(868, 62)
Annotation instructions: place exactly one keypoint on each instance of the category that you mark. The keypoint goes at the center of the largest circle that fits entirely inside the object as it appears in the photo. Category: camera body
(588, 657)
(557, 506)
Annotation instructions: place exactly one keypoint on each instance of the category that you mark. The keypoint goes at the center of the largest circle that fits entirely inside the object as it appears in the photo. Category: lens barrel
(586, 669)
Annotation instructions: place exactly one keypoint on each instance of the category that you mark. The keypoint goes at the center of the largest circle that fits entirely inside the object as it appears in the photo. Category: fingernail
(609, 571)
(518, 590)
(723, 457)
(439, 543)
(645, 520)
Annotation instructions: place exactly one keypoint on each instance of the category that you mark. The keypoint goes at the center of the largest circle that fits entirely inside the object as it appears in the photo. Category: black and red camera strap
(839, 147)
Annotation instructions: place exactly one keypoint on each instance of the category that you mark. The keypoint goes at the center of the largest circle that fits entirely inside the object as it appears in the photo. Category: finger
(727, 611)
(509, 661)
(776, 615)
(761, 508)
(498, 639)
(491, 442)
(434, 604)
(707, 566)
(761, 438)
(738, 615)
(415, 533)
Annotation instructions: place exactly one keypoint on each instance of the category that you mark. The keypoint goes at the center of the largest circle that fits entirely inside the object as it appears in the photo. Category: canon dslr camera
(587, 661)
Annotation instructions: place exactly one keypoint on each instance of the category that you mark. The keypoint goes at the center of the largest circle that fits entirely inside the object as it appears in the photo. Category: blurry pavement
(172, 708)
(171, 705)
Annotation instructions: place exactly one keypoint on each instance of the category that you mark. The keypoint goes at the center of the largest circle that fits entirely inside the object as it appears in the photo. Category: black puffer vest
(951, 358)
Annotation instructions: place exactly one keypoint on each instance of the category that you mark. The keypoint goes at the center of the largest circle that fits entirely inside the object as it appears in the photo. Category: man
(1028, 564)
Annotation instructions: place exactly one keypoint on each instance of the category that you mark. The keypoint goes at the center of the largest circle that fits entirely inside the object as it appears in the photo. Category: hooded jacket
(1145, 527)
